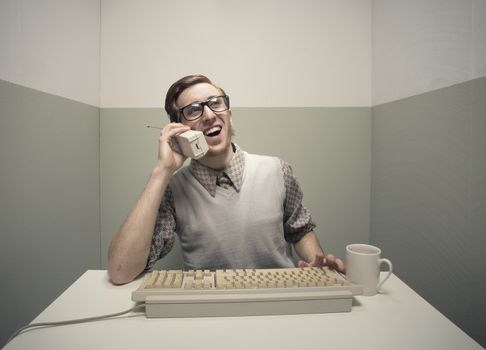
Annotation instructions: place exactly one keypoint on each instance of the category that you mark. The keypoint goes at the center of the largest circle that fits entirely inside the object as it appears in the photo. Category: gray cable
(74, 321)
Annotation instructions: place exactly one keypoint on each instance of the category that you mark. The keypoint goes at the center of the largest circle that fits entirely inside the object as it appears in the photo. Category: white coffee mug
(363, 262)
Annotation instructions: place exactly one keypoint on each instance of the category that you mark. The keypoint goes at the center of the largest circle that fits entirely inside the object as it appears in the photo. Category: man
(229, 208)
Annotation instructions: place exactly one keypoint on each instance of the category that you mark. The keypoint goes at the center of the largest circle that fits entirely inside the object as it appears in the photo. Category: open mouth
(213, 131)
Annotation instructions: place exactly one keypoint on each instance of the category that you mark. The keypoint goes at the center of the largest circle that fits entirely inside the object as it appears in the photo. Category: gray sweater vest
(233, 229)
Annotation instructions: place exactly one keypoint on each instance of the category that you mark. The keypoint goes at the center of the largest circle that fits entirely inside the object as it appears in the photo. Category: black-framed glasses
(195, 110)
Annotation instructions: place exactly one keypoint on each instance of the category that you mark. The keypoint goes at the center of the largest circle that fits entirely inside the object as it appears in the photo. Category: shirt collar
(207, 177)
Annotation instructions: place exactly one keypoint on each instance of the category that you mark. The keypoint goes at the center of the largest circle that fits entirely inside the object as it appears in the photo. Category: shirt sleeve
(164, 231)
(297, 219)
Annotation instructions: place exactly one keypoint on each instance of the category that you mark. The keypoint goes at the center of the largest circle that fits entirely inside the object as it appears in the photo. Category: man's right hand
(168, 158)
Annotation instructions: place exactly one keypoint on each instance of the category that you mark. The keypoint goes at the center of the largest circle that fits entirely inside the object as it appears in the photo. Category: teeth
(211, 130)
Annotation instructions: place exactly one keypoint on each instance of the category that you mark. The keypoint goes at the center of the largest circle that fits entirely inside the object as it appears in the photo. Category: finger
(340, 266)
(303, 263)
(168, 133)
(167, 151)
(319, 260)
(172, 129)
(331, 259)
(335, 263)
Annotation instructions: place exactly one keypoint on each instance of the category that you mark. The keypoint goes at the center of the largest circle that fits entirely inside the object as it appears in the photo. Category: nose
(208, 114)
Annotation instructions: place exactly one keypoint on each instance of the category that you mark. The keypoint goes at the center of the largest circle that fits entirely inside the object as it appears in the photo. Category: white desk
(398, 318)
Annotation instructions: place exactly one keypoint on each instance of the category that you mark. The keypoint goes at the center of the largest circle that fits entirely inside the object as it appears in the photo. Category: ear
(230, 114)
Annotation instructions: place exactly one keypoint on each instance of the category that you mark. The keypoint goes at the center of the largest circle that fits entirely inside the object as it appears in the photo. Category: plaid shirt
(297, 220)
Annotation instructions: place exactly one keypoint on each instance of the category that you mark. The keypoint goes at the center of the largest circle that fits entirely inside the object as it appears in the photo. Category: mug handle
(390, 267)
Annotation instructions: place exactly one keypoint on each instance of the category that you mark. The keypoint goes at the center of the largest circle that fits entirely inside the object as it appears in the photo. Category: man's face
(216, 126)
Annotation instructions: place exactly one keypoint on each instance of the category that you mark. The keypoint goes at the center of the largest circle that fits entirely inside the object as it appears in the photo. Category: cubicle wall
(49, 207)
(429, 197)
(428, 202)
(49, 152)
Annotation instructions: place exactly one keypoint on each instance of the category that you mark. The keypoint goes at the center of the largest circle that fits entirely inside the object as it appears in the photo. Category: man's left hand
(329, 260)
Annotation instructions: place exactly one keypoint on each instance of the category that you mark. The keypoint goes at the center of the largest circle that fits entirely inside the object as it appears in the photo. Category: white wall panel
(264, 53)
(52, 46)
(479, 38)
(420, 46)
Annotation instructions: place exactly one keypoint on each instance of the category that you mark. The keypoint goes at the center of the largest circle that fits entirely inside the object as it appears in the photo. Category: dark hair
(176, 90)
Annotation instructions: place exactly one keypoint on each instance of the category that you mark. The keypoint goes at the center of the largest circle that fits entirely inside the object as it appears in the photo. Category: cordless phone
(192, 144)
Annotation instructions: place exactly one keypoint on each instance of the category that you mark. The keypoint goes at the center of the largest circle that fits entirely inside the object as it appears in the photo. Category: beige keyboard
(244, 292)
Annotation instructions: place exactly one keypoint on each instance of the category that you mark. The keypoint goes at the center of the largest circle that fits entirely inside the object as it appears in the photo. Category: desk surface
(397, 318)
